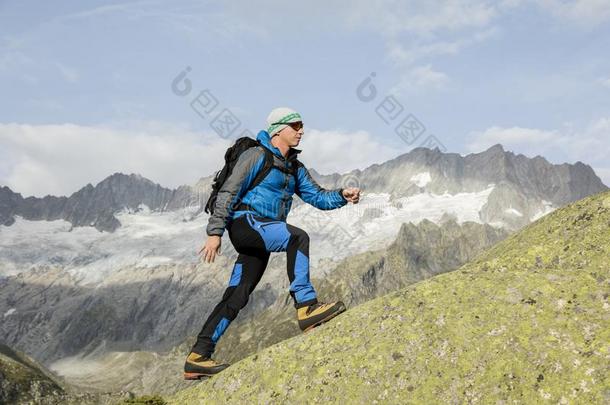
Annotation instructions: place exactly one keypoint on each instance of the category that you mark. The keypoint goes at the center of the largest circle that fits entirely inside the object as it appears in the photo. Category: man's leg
(297, 256)
(278, 236)
(310, 312)
(247, 272)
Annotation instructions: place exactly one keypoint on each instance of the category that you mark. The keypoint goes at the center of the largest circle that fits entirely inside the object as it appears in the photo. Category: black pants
(254, 238)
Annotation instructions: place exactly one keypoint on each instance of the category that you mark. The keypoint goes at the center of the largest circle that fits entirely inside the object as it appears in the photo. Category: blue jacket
(272, 197)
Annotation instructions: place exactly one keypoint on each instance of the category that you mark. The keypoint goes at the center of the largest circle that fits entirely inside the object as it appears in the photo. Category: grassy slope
(22, 379)
(528, 321)
(418, 252)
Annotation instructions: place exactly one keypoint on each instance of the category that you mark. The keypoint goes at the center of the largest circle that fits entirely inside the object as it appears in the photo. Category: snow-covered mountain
(129, 221)
(127, 248)
(517, 189)
(96, 206)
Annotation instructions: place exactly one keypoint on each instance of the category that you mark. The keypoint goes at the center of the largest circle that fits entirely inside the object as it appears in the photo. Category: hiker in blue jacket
(255, 218)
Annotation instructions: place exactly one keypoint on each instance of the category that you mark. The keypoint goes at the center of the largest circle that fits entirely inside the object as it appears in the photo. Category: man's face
(290, 135)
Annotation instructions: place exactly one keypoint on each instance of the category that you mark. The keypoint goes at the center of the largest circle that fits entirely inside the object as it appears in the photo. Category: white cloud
(389, 17)
(417, 31)
(405, 57)
(582, 12)
(22, 66)
(510, 137)
(420, 77)
(590, 145)
(337, 151)
(190, 18)
(14, 61)
(401, 54)
(426, 76)
(103, 11)
(60, 159)
(394, 17)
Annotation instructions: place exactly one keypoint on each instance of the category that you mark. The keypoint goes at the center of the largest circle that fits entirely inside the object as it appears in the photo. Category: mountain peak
(497, 148)
(121, 177)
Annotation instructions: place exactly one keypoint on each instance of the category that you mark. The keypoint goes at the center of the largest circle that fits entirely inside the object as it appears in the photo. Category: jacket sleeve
(311, 192)
(245, 170)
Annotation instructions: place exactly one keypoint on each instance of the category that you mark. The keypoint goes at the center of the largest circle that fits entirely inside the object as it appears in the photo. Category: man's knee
(238, 299)
(298, 235)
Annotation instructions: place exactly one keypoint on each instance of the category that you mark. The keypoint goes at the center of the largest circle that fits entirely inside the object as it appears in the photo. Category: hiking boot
(318, 313)
(198, 366)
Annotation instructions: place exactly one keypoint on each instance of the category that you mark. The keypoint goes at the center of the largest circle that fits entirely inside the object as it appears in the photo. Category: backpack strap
(267, 165)
(296, 164)
(260, 176)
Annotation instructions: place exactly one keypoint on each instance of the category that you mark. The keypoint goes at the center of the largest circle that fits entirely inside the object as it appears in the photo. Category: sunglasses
(294, 125)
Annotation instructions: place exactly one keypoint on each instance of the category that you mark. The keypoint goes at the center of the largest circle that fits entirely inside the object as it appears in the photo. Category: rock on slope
(528, 321)
(22, 379)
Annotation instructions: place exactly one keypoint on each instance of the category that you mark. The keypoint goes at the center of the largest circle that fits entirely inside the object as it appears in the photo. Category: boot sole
(197, 376)
(320, 322)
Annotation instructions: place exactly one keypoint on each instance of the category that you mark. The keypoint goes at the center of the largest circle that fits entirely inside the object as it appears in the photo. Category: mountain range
(524, 181)
(112, 271)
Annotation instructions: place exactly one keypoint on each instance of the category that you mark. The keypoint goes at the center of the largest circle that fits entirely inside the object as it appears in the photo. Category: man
(256, 221)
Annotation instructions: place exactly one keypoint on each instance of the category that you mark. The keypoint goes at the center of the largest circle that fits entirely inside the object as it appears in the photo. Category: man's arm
(313, 194)
(234, 188)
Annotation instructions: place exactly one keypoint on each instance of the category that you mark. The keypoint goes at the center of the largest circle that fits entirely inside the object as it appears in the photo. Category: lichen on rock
(528, 321)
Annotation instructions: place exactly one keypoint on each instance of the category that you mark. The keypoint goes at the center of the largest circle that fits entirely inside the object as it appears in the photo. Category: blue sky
(87, 86)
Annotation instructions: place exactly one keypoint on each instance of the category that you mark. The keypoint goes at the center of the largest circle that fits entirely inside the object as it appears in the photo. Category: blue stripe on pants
(274, 233)
(220, 329)
(236, 275)
(301, 284)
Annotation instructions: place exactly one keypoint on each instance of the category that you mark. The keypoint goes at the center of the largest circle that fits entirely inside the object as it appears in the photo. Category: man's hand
(352, 194)
(211, 248)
